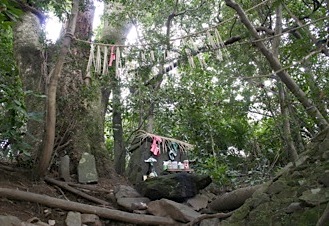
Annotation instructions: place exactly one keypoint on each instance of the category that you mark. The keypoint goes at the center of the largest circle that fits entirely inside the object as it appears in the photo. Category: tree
(55, 74)
(194, 74)
(80, 107)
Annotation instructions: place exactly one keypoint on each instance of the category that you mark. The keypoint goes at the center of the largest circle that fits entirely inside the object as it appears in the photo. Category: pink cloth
(112, 57)
(155, 146)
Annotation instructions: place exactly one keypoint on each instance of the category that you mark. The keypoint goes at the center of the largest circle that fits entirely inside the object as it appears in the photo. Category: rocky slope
(299, 195)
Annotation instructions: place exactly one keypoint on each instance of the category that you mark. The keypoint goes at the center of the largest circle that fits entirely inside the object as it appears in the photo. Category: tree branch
(275, 64)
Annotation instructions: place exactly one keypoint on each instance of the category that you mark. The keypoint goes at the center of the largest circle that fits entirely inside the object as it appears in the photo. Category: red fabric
(155, 147)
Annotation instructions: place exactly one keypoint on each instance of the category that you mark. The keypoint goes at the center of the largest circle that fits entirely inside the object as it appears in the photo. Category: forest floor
(17, 178)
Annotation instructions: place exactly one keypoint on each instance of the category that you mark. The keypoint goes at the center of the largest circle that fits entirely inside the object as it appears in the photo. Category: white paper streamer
(91, 58)
(117, 62)
(98, 65)
(105, 61)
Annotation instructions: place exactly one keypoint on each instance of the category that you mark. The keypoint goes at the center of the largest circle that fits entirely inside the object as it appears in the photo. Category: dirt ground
(14, 177)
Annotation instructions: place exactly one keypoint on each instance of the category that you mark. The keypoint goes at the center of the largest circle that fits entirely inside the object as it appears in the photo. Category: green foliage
(210, 165)
(13, 114)
(9, 14)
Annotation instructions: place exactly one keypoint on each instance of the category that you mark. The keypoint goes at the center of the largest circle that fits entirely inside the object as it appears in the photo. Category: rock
(276, 187)
(259, 199)
(131, 204)
(51, 222)
(324, 145)
(9, 221)
(315, 197)
(177, 187)
(90, 220)
(324, 179)
(87, 171)
(38, 222)
(198, 202)
(174, 210)
(124, 191)
(209, 222)
(140, 211)
(73, 219)
(325, 155)
(293, 207)
(64, 168)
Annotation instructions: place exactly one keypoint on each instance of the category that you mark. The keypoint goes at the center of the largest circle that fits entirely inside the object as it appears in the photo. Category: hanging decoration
(90, 62)
(112, 57)
(105, 60)
(117, 62)
(102, 56)
(98, 64)
(216, 43)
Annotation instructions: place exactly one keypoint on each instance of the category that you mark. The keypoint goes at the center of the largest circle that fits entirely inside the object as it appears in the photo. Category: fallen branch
(207, 216)
(84, 208)
(89, 187)
(13, 169)
(76, 191)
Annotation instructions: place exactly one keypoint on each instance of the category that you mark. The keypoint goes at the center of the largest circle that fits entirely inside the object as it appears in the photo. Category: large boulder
(177, 187)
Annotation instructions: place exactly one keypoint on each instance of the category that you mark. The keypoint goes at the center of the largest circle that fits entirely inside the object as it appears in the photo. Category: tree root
(207, 216)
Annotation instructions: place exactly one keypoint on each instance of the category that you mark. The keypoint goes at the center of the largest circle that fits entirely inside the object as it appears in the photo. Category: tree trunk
(55, 74)
(291, 149)
(119, 147)
(116, 35)
(275, 64)
(233, 200)
(80, 108)
(32, 69)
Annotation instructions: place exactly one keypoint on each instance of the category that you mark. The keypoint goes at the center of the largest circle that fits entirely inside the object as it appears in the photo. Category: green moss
(240, 213)
(308, 217)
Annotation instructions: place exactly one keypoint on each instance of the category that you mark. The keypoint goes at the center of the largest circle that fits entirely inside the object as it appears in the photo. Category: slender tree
(55, 74)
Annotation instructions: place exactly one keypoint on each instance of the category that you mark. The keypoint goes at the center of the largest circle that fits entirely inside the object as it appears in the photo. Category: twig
(61, 191)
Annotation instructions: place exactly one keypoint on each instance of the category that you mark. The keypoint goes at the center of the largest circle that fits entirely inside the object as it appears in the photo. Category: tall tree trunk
(31, 63)
(119, 147)
(290, 146)
(55, 74)
(275, 64)
(116, 34)
(82, 102)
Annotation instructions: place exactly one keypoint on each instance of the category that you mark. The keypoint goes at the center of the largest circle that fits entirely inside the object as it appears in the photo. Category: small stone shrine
(154, 155)
(87, 169)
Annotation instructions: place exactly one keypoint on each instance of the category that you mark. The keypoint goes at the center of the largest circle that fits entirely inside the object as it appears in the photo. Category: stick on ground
(84, 208)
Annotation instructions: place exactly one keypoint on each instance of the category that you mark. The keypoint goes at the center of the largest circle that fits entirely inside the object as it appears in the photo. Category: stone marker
(87, 171)
(64, 168)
